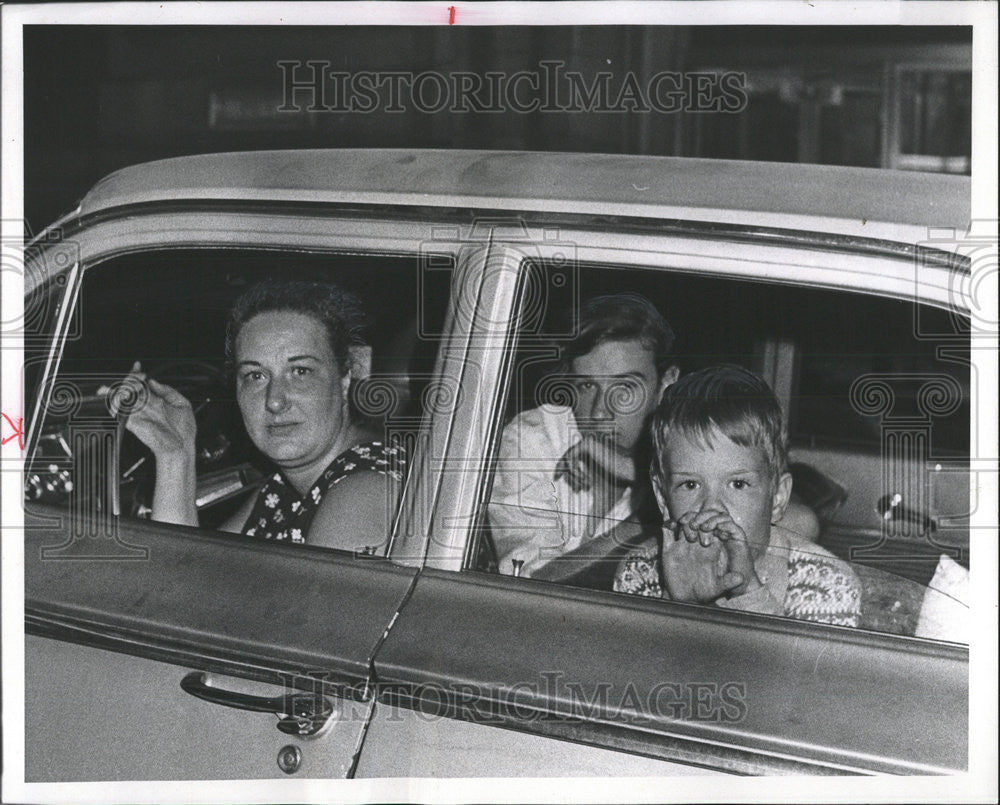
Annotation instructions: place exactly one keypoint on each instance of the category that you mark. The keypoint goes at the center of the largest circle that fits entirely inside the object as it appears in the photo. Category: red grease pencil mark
(451, 15)
(18, 431)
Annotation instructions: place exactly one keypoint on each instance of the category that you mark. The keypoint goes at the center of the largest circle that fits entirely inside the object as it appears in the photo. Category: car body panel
(795, 716)
(256, 609)
(294, 619)
(138, 724)
(850, 201)
(446, 747)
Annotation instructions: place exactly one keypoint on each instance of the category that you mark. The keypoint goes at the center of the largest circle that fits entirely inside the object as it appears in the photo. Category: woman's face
(290, 390)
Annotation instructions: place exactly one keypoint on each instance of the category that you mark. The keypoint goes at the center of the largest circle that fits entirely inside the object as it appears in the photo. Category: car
(163, 652)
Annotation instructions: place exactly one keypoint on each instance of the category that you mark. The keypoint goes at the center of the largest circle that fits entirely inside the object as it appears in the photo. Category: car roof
(894, 205)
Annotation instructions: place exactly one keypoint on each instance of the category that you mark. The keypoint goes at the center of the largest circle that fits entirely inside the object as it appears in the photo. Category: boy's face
(617, 384)
(721, 476)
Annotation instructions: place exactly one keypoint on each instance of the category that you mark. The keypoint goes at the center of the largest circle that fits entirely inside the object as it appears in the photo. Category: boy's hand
(591, 463)
(577, 467)
(706, 556)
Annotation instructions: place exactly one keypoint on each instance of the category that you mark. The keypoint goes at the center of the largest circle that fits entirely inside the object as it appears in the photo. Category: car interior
(167, 309)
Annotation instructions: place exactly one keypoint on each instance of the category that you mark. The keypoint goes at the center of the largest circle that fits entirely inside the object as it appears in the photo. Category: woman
(292, 349)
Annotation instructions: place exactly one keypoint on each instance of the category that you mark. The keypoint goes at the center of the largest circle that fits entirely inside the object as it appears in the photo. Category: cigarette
(133, 468)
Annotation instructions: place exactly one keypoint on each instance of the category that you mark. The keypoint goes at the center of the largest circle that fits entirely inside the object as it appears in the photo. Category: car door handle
(300, 714)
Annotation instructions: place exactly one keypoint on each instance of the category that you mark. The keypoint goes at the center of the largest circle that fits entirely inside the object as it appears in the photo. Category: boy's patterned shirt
(801, 580)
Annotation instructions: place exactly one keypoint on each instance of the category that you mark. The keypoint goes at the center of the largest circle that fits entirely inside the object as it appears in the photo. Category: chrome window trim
(464, 465)
(190, 229)
(71, 292)
(905, 244)
(188, 226)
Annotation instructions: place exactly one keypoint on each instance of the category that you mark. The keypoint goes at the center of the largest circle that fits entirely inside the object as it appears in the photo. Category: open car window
(168, 309)
(875, 397)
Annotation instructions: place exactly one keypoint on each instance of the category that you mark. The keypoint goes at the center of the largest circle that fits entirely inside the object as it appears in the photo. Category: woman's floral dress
(281, 514)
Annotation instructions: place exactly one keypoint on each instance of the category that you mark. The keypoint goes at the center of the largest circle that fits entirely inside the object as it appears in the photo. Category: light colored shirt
(535, 517)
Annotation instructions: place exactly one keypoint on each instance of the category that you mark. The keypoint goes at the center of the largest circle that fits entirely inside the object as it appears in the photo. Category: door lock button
(289, 759)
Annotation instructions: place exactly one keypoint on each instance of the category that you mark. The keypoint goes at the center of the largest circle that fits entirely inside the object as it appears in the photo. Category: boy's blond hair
(729, 398)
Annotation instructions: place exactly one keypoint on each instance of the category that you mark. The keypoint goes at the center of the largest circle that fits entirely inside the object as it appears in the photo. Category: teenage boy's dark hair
(622, 317)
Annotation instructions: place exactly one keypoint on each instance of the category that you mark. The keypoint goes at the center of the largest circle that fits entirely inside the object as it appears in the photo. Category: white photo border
(981, 781)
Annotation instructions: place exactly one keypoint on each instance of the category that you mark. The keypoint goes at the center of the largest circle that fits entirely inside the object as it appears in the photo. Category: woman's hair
(339, 311)
(727, 398)
(622, 317)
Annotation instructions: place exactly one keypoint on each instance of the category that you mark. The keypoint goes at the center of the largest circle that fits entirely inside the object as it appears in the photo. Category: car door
(205, 658)
(646, 687)
(158, 652)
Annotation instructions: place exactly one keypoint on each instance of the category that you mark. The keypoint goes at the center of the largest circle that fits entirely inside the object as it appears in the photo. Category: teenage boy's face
(617, 386)
(721, 476)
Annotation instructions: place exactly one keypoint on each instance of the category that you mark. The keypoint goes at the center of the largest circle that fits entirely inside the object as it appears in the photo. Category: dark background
(100, 98)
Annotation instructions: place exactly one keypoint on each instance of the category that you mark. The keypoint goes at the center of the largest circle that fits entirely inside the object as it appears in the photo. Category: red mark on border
(18, 431)
(451, 15)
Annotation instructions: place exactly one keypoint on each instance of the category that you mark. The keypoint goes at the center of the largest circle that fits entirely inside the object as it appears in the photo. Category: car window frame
(314, 229)
(765, 261)
(684, 256)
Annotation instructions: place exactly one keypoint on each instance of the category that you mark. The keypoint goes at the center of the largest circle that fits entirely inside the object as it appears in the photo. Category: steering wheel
(204, 385)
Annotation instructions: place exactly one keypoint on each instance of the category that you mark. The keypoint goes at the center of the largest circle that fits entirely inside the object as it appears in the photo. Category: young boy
(720, 477)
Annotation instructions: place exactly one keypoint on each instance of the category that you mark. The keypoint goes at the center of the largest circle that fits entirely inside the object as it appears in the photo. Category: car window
(885, 339)
(874, 394)
(168, 310)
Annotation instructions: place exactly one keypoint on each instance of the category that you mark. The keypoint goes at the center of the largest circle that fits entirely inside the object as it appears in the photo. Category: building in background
(100, 98)
(851, 97)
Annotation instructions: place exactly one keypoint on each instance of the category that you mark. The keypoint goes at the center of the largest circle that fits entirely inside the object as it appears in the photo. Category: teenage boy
(568, 473)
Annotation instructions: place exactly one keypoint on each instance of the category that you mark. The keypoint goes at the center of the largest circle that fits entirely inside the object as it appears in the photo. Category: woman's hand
(163, 419)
